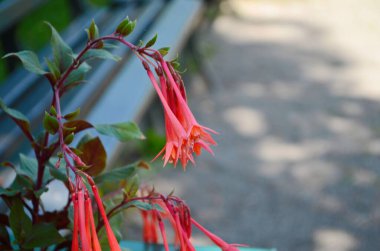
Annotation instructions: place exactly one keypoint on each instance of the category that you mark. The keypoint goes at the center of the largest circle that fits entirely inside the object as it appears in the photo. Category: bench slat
(12, 11)
(31, 94)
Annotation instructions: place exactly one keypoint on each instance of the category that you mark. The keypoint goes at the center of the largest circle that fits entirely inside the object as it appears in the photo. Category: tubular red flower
(82, 222)
(178, 229)
(153, 227)
(149, 227)
(184, 135)
(144, 215)
(184, 238)
(175, 133)
(112, 241)
(216, 239)
(91, 226)
(161, 225)
(74, 243)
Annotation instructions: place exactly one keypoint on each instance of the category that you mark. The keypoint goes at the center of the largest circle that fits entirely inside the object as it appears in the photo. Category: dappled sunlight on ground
(333, 239)
(247, 122)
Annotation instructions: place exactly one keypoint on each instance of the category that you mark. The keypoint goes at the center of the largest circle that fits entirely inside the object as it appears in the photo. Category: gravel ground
(296, 102)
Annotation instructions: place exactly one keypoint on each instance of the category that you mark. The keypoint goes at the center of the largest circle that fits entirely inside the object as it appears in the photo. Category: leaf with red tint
(93, 155)
(75, 126)
(58, 218)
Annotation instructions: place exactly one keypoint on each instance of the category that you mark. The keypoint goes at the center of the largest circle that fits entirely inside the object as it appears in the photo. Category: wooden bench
(120, 87)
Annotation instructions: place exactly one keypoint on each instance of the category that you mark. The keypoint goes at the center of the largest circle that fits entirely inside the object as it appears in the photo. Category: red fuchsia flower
(161, 226)
(112, 241)
(184, 135)
(75, 243)
(178, 213)
(216, 239)
(149, 226)
(85, 236)
(91, 229)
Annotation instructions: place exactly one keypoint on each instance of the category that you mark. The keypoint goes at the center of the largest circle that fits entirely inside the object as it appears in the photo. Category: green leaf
(92, 31)
(176, 65)
(9, 192)
(19, 222)
(57, 173)
(122, 25)
(116, 175)
(21, 183)
(63, 54)
(99, 53)
(132, 186)
(159, 208)
(122, 131)
(94, 155)
(78, 74)
(72, 115)
(39, 192)
(139, 204)
(151, 42)
(20, 118)
(53, 68)
(128, 29)
(29, 60)
(69, 138)
(28, 167)
(43, 235)
(53, 111)
(164, 51)
(50, 123)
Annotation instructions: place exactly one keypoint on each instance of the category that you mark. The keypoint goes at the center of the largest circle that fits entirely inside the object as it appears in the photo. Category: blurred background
(293, 87)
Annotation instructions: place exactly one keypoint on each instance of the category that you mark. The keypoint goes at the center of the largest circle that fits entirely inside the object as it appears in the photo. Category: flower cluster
(85, 236)
(177, 213)
(184, 135)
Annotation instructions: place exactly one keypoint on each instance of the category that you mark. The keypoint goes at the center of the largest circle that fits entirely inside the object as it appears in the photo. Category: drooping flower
(161, 226)
(85, 236)
(149, 226)
(75, 242)
(176, 211)
(216, 239)
(112, 241)
(184, 135)
(91, 231)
